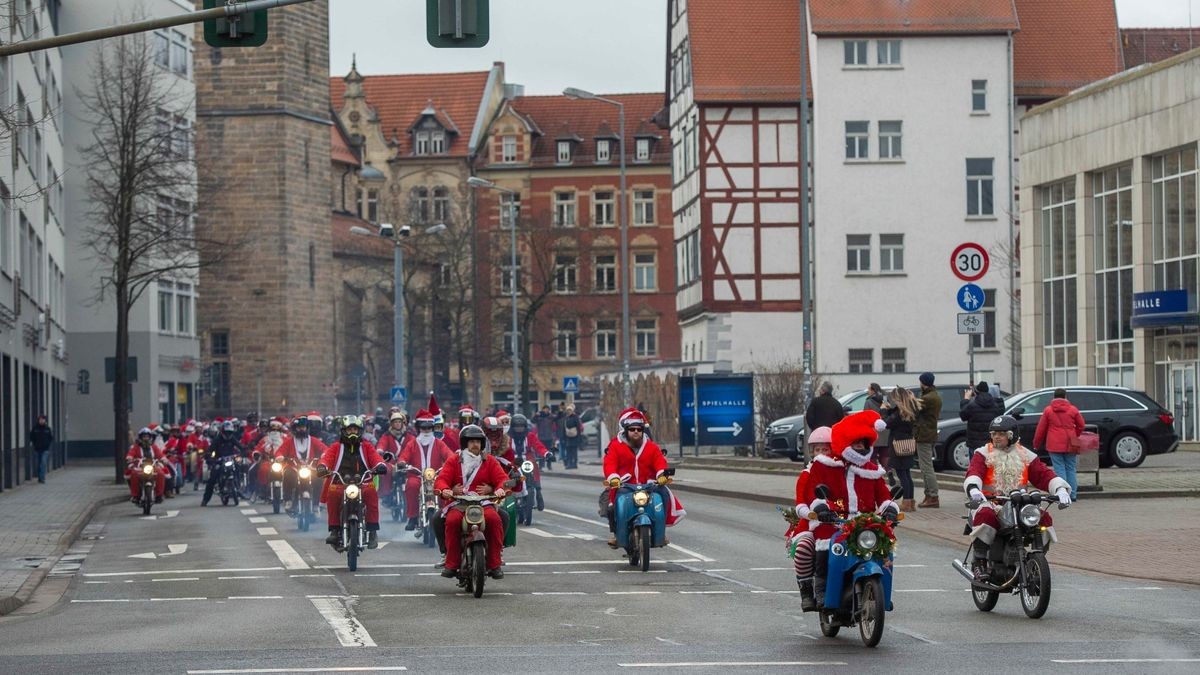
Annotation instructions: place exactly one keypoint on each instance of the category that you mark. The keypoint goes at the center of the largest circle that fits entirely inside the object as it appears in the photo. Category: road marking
(249, 512)
(350, 632)
(640, 572)
(259, 519)
(1124, 660)
(169, 514)
(97, 601)
(723, 569)
(695, 555)
(1138, 588)
(670, 642)
(95, 582)
(909, 565)
(558, 593)
(706, 592)
(589, 521)
(582, 572)
(255, 597)
(343, 669)
(632, 592)
(267, 531)
(731, 664)
(545, 534)
(174, 599)
(463, 595)
(178, 579)
(915, 636)
(921, 590)
(304, 576)
(585, 537)
(172, 549)
(143, 573)
(232, 578)
(407, 595)
(763, 569)
(287, 555)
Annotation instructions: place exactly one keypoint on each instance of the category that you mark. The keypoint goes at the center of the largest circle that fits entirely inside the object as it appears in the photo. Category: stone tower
(263, 144)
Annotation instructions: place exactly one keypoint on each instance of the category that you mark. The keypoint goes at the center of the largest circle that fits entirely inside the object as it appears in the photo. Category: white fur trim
(877, 472)
(880, 426)
(856, 458)
(884, 506)
(852, 501)
(1057, 484)
(611, 476)
(975, 481)
(802, 511)
(829, 460)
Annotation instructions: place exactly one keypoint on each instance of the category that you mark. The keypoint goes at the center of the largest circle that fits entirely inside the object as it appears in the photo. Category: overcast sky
(602, 45)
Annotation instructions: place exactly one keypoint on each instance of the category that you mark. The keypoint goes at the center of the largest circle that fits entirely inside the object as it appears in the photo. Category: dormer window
(508, 149)
(429, 142)
(422, 144)
(642, 152)
(603, 151)
(437, 142)
(564, 152)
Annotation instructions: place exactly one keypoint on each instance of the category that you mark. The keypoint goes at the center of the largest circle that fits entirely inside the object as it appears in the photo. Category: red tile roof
(745, 51)
(1151, 45)
(1063, 45)
(909, 17)
(346, 242)
(558, 117)
(400, 99)
(340, 150)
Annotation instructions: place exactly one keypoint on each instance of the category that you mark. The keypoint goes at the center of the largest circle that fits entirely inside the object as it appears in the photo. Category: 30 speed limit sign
(969, 262)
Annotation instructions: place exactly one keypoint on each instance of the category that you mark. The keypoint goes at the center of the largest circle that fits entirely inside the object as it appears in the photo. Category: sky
(606, 46)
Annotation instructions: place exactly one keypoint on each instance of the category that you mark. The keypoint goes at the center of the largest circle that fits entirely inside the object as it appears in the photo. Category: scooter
(427, 503)
(641, 520)
(396, 493)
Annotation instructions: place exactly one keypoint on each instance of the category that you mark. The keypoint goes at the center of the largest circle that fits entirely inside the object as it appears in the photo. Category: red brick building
(561, 155)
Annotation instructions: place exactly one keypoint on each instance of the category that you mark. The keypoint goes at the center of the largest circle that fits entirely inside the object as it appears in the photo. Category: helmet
(519, 424)
(439, 425)
(227, 427)
(467, 416)
(821, 435)
(397, 415)
(471, 431)
(493, 430)
(352, 421)
(300, 422)
(145, 431)
(1004, 424)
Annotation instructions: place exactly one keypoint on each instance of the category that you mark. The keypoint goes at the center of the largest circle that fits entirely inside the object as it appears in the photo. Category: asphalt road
(251, 594)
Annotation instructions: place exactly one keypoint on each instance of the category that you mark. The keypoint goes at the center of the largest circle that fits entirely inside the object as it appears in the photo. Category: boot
(908, 505)
(808, 600)
(335, 536)
(930, 503)
(372, 539)
(412, 525)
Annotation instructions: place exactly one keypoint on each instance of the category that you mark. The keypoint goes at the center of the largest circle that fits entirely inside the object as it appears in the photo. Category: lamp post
(484, 184)
(623, 224)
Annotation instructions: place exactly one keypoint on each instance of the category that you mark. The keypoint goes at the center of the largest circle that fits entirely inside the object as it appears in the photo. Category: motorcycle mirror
(388, 456)
(822, 491)
(669, 472)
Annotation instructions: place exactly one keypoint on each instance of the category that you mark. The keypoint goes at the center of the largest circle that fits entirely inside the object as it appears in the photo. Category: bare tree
(779, 390)
(142, 182)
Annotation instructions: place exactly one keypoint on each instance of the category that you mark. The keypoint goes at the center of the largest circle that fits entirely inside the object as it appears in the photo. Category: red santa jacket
(332, 458)
(490, 473)
(450, 438)
(828, 471)
(389, 443)
(534, 450)
(134, 457)
(642, 466)
(414, 455)
(981, 473)
(316, 449)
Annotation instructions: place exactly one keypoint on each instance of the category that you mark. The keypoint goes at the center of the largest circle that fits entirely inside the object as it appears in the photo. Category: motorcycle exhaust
(1002, 588)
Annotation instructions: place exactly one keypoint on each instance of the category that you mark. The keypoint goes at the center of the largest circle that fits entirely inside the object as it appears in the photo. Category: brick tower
(263, 138)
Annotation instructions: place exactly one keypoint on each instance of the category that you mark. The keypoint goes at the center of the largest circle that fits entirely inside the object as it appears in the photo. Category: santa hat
(860, 425)
(631, 416)
(313, 416)
(424, 416)
(433, 408)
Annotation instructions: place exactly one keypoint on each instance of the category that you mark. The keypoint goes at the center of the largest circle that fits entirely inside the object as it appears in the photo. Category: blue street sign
(571, 384)
(970, 298)
(399, 396)
(726, 410)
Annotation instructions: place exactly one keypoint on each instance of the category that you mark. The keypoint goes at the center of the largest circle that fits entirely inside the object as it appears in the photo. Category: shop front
(1173, 318)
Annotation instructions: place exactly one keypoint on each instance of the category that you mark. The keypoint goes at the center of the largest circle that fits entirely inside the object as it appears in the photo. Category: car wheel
(1128, 450)
(959, 456)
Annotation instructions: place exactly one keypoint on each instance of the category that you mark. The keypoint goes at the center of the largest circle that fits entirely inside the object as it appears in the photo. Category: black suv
(1131, 425)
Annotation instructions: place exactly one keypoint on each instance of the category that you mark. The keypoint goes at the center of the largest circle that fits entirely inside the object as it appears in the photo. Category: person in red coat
(475, 473)
(141, 450)
(423, 451)
(350, 457)
(300, 448)
(1060, 424)
(633, 458)
(392, 441)
(1000, 467)
(802, 535)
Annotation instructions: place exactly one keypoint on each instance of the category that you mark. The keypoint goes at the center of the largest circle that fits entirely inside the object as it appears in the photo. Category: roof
(399, 101)
(1151, 45)
(340, 149)
(1063, 45)
(346, 242)
(912, 17)
(585, 120)
(739, 55)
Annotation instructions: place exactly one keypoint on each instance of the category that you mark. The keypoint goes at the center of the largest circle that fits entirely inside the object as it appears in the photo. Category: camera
(386, 230)
(405, 230)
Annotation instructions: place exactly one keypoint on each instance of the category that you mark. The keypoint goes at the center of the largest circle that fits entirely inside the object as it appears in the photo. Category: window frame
(643, 204)
(563, 152)
(984, 186)
(979, 97)
(858, 245)
(507, 143)
(605, 270)
(606, 333)
(166, 308)
(641, 150)
(566, 339)
(645, 338)
(566, 208)
(566, 273)
(645, 271)
(891, 252)
(858, 140)
(894, 52)
(609, 204)
(603, 151)
(859, 58)
(864, 356)
(895, 362)
(891, 141)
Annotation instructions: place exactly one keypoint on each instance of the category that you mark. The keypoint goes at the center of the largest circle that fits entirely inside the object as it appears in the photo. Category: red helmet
(494, 430)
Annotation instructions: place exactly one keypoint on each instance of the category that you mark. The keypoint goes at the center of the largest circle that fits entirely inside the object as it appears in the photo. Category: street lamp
(388, 231)
(483, 184)
(623, 215)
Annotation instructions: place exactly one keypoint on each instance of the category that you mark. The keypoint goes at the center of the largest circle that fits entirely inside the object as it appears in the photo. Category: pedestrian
(572, 438)
(544, 422)
(925, 434)
(40, 439)
(900, 411)
(875, 401)
(824, 410)
(978, 408)
(1058, 434)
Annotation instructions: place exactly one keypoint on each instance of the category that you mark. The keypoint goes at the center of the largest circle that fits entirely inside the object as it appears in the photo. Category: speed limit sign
(969, 262)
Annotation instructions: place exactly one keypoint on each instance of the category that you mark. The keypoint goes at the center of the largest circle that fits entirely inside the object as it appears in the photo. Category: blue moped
(641, 520)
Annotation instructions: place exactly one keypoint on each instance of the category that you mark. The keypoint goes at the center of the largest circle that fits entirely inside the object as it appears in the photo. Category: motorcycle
(395, 497)
(305, 499)
(857, 584)
(427, 502)
(1016, 561)
(276, 487)
(147, 476)
(641, 520)
(353, 517)
(530, 496)
(195, 466)
(472, 568)
(228, 484)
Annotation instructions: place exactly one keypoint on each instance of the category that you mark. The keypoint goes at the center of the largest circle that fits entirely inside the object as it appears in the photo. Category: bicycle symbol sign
(970, 324)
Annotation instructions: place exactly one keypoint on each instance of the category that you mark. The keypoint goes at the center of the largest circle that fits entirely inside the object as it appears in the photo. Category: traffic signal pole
(232, 9)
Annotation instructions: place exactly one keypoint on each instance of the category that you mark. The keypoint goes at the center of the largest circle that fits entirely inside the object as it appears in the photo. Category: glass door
(1182, 403)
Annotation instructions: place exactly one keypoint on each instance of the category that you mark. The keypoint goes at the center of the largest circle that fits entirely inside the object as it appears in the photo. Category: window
(564, 152)
(979, 187)
(508, 342)
(987, 340)
(5, 229)
(643, 207)
(1173, 219)
(894, 360)
(891, 253)
(564, 209)
(437, 141)
(687, 257)
(603, 206)
(1112, 214)
(165, 300)
(862, 360)
(978, 95)
(888, 52)
(603, 151)
(858, 253)
(566, 273)
(180, 54)
(441, 204)
(421, 146)
(645, 337)
(220, 343)
(506, 275)
(508, 149)
(510, 208)
(566, 339)
(606, 339)
(890, 134)
(183, 309)
(605, 267)
(854, 52)
(372, 206)
(419, 206)
(162, 49)
(1060, 308)
(644, 272)
(857, 144)
(642, 150)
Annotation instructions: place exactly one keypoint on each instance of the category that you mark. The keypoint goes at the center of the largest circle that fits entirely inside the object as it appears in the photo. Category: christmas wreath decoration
(869, 521)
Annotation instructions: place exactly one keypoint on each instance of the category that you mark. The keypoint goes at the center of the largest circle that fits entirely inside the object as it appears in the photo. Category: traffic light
(243, 30)
(457, 23)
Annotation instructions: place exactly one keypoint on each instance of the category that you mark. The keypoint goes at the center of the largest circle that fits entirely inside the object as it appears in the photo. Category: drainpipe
(1015, 375)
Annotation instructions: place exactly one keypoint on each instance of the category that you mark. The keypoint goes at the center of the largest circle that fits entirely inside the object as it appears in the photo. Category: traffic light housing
(457, 23)
(244, 30)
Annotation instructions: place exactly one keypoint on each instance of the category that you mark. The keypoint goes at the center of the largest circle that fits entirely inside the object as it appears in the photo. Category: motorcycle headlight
(148, 469)
(867, 540)
(641, 498)
(276, 467)
(474, 515)
(429, 473)
(1031, 515)
(527, 467)
(305, 472)
(352, 492)
(229, 465)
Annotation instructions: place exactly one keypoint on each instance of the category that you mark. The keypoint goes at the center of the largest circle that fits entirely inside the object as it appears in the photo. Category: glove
(975, 495)
(820, 508)
(1064, 499)
(614, 482)
(662, 480)
(380, 469)
(890, 513)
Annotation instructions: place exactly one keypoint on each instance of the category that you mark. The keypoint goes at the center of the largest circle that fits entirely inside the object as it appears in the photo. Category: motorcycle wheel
(1035, 585)
(352, 547)
(478, 568)
(224, 500)
(644, 547)
(395, 514)
(870, 623)
(146, 506)
(236, 499)
(985, 600)
(828, 627)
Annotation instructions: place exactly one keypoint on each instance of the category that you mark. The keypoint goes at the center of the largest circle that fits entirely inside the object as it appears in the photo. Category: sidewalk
(40, 521)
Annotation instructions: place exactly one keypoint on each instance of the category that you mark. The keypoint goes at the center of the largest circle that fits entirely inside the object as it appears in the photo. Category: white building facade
(33, 310)
(162, 323)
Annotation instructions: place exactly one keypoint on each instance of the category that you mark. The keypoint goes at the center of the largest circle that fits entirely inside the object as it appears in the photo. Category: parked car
(591, 428)
(1131, 425)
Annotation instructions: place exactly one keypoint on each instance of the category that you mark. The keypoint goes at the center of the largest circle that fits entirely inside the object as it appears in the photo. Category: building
(264, 316)
(162, 323)
(562, 159)
(1151, 45)
(1109, 237)
(416, 135)
(33, 252)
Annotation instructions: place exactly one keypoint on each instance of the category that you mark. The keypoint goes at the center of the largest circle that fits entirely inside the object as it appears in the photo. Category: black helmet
(471, 431)
(519, 424)
(1005, 424)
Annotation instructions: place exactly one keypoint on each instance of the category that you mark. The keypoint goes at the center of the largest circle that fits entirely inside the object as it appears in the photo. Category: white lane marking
(407, 595)
(231, 569)
(723, 569)
(350, 632)
(463, 595)
(706, 592)
(169, 514)
(177, 579)
(232, 578)
(1124, 660)
(921, 590)
(287, 555)
(304, 576)
(558, 593)
(585, 537)
(670, 642)
(255, 597)
(731, 664)
(632, 592)
(249, 512)
(172, 549)
(267, 531)
(174, 599)
(98, 601)
(545, 534)
(259, 519)
(582, 572)
(695, 555)
(343, 669)
(640, 572)
(1137, 588)
(915, 636)
(95, 582)
(589, 521)
(767, 569)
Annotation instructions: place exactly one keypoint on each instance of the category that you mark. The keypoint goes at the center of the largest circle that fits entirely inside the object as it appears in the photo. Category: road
(237, 590)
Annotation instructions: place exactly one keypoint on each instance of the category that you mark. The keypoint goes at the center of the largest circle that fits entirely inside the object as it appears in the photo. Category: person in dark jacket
(900, 412)
(824, 410)
(925, 434)
(40, 439)
(875, 401)
(978, 408)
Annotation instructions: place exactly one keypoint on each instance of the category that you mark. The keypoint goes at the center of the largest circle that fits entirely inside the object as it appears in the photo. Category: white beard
(274, 440)
(1008, 465)
(470, 462)
(425, 438)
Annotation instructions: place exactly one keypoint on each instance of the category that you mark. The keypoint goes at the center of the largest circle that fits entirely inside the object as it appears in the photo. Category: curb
(15, 602)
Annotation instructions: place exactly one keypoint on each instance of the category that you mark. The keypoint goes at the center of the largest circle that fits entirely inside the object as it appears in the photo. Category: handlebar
(336, 477)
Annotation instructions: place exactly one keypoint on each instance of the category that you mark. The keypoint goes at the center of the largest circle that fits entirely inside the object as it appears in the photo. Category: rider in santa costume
(633, 458)
(423, 451)
(351, 456)
(302, 448)
(141, 450)
(473, 472)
